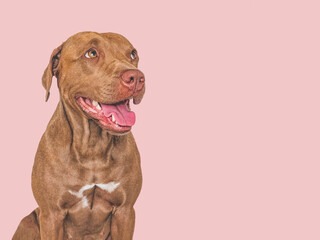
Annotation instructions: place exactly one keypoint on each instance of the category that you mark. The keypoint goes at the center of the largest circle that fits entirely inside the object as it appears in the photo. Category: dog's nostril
(141, 79)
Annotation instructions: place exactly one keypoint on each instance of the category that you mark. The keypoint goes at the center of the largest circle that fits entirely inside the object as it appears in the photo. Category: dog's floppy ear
(51, 70)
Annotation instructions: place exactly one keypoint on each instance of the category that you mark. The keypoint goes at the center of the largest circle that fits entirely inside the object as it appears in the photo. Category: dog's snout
(134, 79)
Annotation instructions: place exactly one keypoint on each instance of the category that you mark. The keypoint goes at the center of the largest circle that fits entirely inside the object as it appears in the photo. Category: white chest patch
(109, 187)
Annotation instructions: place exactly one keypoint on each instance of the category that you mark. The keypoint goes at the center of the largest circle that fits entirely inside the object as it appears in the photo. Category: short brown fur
(76, 150)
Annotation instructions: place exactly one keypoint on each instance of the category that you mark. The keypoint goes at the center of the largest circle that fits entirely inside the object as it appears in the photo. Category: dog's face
(98, 76)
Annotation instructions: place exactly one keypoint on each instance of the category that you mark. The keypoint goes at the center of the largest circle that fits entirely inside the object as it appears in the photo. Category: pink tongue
(122, 115)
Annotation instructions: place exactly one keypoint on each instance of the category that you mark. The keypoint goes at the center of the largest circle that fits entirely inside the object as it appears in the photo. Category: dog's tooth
(96, 105)
(113, 118)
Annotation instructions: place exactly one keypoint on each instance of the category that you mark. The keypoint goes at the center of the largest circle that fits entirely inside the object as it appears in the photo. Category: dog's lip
(97, 110)
(106, 103)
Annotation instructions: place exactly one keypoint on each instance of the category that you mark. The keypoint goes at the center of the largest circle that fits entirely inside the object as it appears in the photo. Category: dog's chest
(86, 194)
(89, 207)
(90, 195)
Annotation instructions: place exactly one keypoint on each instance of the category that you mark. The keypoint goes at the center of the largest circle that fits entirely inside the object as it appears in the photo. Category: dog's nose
(134, 79)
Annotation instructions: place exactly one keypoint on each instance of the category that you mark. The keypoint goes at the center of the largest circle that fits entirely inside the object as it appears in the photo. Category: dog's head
(98, 76)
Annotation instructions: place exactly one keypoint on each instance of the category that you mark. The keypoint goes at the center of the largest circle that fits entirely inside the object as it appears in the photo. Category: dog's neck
(83, 137)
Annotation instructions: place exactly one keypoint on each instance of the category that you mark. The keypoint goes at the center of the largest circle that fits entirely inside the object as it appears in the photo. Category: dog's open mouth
(115, 117)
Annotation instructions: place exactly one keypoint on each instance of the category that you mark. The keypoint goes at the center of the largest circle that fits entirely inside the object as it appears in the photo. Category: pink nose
(133, 79)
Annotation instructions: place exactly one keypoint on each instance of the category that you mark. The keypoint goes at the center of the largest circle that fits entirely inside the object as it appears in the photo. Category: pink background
(229, 127)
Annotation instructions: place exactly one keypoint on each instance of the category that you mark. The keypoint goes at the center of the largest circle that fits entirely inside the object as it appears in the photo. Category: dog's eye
(133, 54)
(91, 54)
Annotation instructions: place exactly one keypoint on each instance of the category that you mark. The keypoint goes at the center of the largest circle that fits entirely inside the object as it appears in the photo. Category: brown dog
(87, 176)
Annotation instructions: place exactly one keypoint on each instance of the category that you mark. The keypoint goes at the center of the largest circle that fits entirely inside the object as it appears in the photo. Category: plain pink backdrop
(229, 127)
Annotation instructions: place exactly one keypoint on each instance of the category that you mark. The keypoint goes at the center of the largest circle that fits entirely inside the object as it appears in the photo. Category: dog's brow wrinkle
(95, 41)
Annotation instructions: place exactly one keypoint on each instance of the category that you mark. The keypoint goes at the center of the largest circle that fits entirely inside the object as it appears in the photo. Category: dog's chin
(116, 118)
